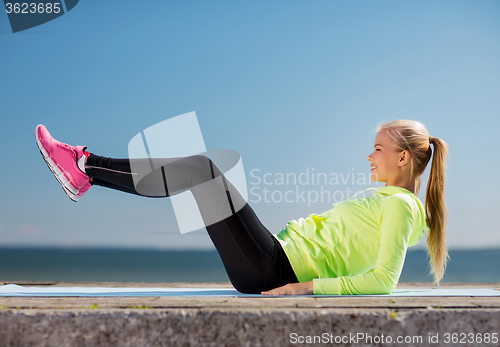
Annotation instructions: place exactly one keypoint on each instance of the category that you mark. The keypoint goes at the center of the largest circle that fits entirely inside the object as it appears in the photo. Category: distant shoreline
(113, 264)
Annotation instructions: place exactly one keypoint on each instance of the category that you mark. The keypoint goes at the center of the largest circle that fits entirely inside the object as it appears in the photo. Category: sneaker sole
(58, 174)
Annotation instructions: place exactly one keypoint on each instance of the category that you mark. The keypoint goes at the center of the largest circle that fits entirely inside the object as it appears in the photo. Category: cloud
(1, 229)
(27, 229)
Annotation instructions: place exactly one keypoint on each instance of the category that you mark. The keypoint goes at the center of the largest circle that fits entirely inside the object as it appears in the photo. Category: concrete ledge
(249, 321)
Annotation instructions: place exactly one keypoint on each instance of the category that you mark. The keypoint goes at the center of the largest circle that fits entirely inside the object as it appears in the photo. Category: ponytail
(435, 210)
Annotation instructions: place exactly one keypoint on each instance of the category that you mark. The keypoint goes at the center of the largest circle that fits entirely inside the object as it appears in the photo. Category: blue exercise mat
(16, 290)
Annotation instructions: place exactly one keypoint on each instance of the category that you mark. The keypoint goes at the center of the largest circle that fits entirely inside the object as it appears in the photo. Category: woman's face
(384, 160)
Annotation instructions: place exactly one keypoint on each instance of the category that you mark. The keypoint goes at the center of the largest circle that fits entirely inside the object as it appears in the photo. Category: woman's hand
(292, 289)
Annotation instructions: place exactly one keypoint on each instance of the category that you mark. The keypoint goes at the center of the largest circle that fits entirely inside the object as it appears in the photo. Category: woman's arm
(292, 289)
(396, 228)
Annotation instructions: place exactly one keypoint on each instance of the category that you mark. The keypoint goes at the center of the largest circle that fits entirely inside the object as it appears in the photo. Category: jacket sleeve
(397, 223)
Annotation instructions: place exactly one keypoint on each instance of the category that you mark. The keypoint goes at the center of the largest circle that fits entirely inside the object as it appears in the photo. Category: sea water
(149, 265)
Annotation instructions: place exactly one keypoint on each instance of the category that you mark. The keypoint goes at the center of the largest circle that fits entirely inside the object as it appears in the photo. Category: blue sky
(291, 85)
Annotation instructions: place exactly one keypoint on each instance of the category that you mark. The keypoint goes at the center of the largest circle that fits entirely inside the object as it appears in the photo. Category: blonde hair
(412, 136)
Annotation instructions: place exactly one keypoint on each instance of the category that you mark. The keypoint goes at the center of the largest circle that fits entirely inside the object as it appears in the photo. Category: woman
(357, 247)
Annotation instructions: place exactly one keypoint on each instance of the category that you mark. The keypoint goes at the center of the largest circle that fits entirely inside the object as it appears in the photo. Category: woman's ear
(404, 158)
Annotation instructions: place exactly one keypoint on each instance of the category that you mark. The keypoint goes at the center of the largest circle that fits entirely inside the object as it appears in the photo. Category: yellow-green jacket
(357, 247)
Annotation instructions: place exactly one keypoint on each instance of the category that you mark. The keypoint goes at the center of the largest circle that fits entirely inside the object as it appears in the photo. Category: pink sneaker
(82, 191)
(62, 161)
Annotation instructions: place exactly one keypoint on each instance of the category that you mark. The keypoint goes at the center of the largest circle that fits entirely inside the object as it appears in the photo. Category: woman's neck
(406, 185)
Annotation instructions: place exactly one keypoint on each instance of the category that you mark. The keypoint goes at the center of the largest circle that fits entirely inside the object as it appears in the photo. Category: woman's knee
(200, 168)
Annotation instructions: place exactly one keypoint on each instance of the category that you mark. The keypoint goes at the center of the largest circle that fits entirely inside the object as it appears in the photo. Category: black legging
(254, 260)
